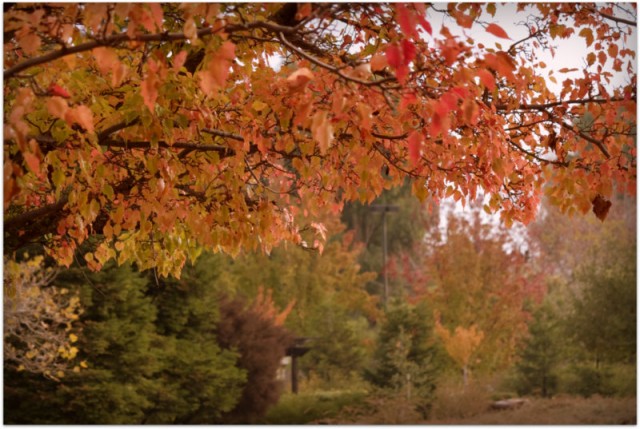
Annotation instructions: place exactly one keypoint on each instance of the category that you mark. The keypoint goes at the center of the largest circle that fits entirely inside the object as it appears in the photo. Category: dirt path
(559, 411)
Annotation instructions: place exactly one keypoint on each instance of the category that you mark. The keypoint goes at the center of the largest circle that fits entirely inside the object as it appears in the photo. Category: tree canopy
(152, 131)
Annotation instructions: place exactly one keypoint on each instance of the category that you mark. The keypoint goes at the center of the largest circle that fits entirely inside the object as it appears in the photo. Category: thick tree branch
(586, 137)
(224, 134)
(15, 223)
(331, 68)
(192, 146)
(104, 134)
(505, 107)
(535, 156)
(617, 19)
(144, 38)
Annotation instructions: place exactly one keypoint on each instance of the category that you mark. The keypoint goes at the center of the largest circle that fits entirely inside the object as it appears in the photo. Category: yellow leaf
(60, 374)
(259, 105)
(73, 337)
(83, 364)
(73, 351)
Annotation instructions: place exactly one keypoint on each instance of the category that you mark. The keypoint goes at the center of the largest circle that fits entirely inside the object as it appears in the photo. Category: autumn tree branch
(192, 146)
(331, 68)
(144, 38)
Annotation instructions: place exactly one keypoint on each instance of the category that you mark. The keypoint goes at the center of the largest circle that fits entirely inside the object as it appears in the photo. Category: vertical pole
(384, 258)
(294, 374)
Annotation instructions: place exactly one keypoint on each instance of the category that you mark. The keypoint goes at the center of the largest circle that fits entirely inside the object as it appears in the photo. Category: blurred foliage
(406, 358)
(540, 355)
(40, 329)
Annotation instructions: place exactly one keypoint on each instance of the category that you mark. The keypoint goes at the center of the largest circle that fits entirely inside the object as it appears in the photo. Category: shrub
(261, 343)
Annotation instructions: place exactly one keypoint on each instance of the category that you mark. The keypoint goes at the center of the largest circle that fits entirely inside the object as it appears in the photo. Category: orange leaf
(149, 91)
(304, 10)
(299, 79)
(156, 12)
(106, 59)
(30, 43)
(57, 107)
(84, 117)
(415, 143)
(322, 131)
(179, 60)
(497, 31)
(587, 33)
(227, 51)
(33, 162)
(190, 29)
(378, 62)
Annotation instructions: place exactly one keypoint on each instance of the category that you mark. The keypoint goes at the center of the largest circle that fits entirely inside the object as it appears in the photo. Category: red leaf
(497, 31)
(394, 56)
(601, 207)
(407, 24)
(425, 24)
(55, 89)
(415, 142)
(486, 78)
(408, 51)
(448, 102)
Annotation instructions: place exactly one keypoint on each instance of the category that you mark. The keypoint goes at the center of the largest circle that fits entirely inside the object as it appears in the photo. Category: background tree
(111, 134)
(540, 354)
(590, 273)
(475, 274)
(406, 357)
(604, 318)
(405, 227)
(149, 351)
(462, 346)
(332, 305)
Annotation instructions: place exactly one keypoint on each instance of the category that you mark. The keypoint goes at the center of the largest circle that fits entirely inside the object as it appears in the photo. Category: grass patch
(308, 407)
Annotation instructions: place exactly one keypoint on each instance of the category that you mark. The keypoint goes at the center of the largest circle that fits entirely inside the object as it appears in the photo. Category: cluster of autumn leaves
(152, 160)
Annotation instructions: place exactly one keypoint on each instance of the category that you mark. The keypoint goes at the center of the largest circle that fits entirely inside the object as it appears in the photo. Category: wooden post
(294, 374)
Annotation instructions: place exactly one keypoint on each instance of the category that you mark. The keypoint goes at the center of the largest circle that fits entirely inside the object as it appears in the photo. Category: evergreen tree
(540, 355)
(200, 380)
(119, 343)
(406, 357)
(603, 320)
(151, 358)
